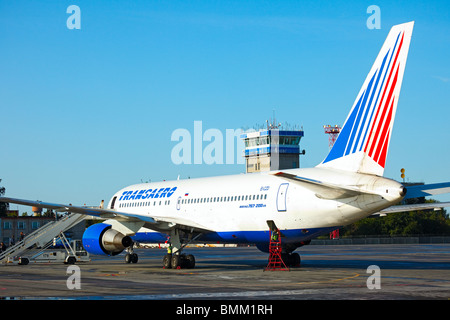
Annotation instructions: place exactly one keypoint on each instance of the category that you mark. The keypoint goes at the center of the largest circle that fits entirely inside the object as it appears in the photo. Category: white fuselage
(236, 208)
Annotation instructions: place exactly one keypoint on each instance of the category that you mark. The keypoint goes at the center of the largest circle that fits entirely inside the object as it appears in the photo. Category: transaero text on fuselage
(147, 194)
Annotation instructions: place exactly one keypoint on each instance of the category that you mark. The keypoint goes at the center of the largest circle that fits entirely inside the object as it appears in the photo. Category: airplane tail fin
(363, 142)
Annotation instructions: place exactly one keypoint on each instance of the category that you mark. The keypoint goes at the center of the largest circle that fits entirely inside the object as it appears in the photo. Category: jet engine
(101, 239)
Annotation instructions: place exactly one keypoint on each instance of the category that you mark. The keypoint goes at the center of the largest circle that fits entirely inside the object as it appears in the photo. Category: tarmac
(328, 272)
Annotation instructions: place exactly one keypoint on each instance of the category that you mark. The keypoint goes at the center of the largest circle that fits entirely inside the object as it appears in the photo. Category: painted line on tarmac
(331, 280)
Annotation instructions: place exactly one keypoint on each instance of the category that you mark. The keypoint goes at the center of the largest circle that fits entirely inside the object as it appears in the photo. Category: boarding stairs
(276, 262)
(42, 236)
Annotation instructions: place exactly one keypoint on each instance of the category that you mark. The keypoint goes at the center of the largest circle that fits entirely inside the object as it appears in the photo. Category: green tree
(4, 206)
(403, 223)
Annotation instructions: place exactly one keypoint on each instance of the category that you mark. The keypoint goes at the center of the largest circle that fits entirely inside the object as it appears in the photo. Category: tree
(403, 223)
(4, 206)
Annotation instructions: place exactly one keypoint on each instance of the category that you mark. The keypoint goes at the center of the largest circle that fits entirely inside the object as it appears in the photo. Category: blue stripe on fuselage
(241, 237)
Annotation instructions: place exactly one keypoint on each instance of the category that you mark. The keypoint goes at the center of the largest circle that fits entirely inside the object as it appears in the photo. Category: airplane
(302, 204)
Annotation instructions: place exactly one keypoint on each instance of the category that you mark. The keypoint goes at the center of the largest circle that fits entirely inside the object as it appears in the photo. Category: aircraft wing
(323, 190)
(413, 207)
(160, 223)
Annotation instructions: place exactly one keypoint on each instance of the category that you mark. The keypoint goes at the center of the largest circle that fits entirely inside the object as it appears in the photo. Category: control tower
(272, 148)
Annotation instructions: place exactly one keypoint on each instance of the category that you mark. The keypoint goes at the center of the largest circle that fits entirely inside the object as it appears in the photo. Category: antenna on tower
(333, 133)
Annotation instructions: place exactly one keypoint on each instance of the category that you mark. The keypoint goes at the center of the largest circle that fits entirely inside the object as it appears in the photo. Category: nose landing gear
(131, 257)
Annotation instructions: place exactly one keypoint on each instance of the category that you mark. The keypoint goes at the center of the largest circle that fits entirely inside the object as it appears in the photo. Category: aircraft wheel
(134, 258)
(176, 261)
(167, 261)
(286, 257)
(190, 261)
(295, 259)
(128, 258)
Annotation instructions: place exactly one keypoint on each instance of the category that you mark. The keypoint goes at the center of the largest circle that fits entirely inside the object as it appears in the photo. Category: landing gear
(291, 259)
(175, 259)
(179, 261)
(131, 257)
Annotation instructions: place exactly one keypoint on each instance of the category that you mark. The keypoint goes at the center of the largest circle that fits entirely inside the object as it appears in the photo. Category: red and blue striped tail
(363, 142)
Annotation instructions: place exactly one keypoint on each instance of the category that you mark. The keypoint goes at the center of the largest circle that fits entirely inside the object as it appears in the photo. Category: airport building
(272, 149)
(11, 228)
(14, 228)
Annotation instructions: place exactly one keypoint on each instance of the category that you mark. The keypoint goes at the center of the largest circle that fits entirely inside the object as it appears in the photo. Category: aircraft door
(281, 197)
(113, 202)
(178, 203)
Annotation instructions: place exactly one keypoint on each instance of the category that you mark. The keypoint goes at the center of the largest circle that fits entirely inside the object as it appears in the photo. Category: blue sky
(87, 112)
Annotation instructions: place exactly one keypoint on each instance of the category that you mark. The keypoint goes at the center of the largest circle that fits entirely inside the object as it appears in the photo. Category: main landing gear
(174, 258)
(291, 259)
(178, 261)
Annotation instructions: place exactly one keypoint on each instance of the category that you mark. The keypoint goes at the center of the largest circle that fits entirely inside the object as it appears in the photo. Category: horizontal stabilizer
(427, 190)
(413, 207)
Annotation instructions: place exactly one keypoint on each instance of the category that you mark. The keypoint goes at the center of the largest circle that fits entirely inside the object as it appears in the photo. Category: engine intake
(101, 239)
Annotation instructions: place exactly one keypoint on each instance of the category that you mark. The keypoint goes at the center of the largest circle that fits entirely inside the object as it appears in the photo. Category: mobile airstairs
(41, 238)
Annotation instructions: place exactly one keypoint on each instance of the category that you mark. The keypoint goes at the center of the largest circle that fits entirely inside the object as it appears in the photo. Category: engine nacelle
(101, 239)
